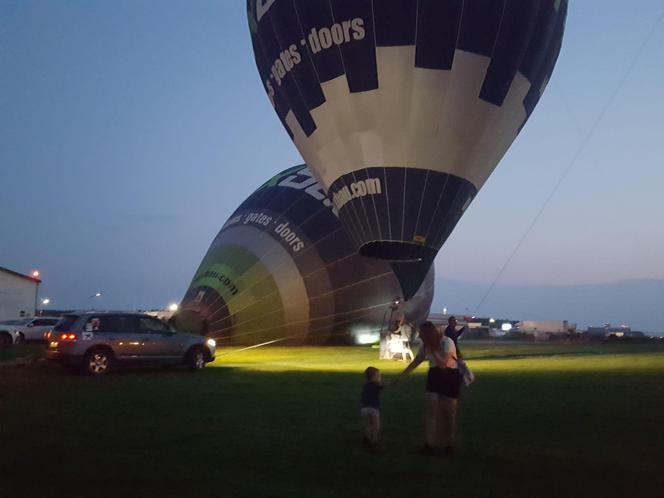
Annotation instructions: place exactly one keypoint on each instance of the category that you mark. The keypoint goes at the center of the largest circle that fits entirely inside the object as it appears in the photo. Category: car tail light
(68, 336)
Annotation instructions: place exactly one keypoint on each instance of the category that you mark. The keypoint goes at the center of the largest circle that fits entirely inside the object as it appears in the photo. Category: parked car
(9, 335)
(34, 329)
(95, 342)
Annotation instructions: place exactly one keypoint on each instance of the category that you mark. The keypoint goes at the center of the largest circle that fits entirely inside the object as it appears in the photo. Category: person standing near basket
(442, 389)
(467, 376)
(454, 334)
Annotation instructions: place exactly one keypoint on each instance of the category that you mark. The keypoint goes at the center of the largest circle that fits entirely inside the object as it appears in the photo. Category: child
(371, 405)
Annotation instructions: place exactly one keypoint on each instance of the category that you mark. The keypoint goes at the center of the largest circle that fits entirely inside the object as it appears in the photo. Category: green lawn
(541, 420)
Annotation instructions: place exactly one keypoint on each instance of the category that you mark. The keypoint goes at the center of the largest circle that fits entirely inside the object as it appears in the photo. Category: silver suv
(97, 341)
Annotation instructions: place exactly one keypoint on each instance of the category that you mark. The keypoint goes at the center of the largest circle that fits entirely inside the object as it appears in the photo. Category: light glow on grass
(501, 358)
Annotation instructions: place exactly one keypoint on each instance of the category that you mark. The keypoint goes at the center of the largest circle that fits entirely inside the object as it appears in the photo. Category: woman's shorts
(445, 381)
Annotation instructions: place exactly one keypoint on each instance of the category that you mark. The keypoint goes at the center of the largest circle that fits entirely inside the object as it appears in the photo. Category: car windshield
(65, 323)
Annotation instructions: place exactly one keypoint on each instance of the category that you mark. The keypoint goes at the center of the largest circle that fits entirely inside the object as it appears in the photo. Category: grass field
(541, 420)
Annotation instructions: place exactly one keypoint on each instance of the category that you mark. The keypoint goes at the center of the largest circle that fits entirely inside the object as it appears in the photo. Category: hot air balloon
(282, 268)
(403, 108)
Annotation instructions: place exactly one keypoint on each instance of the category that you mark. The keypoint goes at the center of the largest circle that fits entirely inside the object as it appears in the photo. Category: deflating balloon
(403, 108)
(282, 267)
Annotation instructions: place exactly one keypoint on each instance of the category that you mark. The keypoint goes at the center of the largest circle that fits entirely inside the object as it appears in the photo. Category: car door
(47, 324)
(34, 331)
(161, 341)
(120, 332)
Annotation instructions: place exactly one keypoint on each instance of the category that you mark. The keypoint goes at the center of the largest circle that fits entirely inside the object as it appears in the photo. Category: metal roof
(21, 275)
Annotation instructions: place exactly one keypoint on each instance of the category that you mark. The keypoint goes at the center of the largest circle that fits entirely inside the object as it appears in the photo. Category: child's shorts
(370, 412)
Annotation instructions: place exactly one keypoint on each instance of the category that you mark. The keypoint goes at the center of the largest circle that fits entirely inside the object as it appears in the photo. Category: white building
(542, 329)
(18, 294)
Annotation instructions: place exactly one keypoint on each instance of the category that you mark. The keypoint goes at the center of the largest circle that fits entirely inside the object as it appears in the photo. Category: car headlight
(212, 343)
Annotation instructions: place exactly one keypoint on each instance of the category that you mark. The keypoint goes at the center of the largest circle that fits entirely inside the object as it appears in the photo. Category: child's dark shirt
(371, 395)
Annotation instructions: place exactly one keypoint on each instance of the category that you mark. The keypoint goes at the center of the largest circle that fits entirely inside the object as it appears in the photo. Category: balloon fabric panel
(282, 268)
(437, 33)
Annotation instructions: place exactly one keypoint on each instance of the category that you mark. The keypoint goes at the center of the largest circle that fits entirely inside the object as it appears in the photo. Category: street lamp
(45, 301)
(93, 297)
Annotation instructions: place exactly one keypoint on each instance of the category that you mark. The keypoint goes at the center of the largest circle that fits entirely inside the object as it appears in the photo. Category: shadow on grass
(21, 352)
(233, 431)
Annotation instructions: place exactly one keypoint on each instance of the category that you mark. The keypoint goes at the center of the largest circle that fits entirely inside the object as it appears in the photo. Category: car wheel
(196, 359)
(97, 362)
(5, 339)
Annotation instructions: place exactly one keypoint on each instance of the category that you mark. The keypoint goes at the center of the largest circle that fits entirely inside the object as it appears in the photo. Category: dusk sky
(131, 129)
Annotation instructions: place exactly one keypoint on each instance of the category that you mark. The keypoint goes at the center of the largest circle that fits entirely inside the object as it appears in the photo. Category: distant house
(18, 294)
(476, 327)
(607, 331)
(545, 329)
(611, 332)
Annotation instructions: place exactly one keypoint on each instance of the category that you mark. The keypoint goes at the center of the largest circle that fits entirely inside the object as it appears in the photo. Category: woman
(442, 389)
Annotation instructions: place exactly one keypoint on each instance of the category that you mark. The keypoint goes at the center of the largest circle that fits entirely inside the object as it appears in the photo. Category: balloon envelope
(403, 108)
(283, 268)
